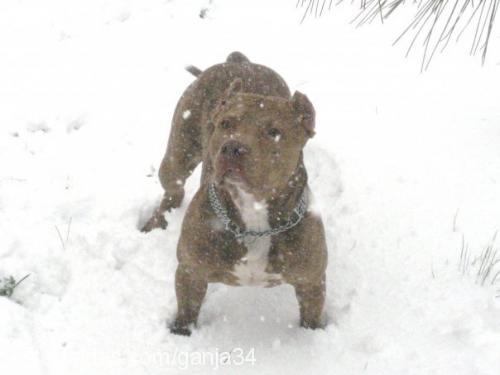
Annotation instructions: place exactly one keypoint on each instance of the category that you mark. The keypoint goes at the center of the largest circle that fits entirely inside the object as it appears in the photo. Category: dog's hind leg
(181, 158)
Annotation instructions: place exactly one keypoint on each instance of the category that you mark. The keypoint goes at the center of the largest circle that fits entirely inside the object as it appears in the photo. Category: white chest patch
(251, 269)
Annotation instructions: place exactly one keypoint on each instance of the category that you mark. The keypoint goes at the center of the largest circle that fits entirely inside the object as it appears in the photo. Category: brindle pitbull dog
(249, 222)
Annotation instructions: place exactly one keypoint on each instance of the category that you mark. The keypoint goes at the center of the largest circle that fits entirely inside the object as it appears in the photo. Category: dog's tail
(194, 70)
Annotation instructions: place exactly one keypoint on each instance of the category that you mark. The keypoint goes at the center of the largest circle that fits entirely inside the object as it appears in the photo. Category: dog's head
(257, 141)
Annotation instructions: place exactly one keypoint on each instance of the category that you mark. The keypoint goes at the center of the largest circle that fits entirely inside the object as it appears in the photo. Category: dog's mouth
(230, 171)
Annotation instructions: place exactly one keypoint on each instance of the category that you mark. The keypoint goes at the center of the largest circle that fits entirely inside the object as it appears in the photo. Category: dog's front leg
(311, 298)
(181, 158)
(190, 289)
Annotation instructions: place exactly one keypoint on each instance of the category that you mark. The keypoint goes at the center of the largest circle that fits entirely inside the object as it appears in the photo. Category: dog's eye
(274, 133)
(225, 124)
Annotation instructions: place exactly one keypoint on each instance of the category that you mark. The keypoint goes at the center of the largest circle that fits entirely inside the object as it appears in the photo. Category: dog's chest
(251, 269)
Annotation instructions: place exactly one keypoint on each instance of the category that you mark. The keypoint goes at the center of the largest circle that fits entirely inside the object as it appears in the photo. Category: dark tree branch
(435, 22)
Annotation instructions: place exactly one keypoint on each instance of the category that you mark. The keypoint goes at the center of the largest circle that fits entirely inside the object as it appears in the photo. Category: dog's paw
(156, 221)
(180, 330)
(313, 324)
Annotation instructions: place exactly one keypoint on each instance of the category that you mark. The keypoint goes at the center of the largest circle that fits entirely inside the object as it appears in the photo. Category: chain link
(297, 215)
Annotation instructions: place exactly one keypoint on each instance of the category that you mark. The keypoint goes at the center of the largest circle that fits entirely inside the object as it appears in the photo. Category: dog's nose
(233, 149)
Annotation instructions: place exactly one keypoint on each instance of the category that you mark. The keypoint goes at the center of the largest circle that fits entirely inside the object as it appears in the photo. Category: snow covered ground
(406, 167)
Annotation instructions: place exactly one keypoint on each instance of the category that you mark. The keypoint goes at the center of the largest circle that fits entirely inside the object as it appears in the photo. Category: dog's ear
(304, 112)
(234, 88)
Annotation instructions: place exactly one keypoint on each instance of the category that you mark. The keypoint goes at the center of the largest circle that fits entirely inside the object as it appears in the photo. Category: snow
(404, 167)
(186, 114)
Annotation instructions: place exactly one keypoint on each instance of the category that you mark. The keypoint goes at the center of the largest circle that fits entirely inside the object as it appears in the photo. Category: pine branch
(435, 22)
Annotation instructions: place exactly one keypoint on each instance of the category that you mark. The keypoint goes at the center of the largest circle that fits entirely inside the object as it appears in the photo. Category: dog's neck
(246, 208)
(282, 204)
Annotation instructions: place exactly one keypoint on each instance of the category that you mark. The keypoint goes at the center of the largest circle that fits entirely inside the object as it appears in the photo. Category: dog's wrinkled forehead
(258, 109)
(296, 112)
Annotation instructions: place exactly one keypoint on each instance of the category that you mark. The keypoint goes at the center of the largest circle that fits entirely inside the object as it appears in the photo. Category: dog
(250, 222)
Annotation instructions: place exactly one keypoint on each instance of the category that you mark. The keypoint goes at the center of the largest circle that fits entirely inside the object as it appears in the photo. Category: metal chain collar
(221, 212)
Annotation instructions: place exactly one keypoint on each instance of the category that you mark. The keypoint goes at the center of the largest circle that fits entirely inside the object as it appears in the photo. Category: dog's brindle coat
(241, 121)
